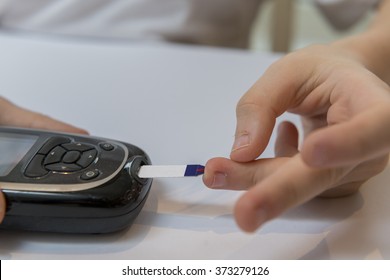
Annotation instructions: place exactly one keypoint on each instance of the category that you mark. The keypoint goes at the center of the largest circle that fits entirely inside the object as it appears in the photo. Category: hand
(345, 112)
(12, 115)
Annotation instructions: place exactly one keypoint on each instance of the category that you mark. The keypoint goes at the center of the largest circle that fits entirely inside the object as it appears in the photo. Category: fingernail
(219, 180)
(241, 141)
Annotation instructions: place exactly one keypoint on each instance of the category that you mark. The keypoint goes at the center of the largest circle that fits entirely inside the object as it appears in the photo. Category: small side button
(89, 175)
(106, 146)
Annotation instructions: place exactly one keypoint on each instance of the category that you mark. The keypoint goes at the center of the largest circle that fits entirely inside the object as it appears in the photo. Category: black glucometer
(57, 182)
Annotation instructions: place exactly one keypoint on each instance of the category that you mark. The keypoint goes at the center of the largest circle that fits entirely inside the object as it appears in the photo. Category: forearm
(372, 48)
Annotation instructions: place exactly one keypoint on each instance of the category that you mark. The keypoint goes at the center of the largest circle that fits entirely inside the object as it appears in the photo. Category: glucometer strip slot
(133, 166)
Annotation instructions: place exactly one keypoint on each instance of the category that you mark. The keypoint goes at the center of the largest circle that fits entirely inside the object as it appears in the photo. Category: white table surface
(178, 104)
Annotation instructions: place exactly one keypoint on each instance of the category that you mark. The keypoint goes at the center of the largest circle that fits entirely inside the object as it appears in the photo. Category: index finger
(292, 184)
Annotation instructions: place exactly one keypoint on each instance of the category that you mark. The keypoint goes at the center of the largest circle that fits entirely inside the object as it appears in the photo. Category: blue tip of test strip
(194, 170)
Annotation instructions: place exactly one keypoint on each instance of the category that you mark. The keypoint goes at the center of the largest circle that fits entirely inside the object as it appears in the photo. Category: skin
(341, 91)
(12, 115)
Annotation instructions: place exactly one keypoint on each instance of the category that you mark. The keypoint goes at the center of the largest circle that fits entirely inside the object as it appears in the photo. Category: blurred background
(281, 25)
(300, 23)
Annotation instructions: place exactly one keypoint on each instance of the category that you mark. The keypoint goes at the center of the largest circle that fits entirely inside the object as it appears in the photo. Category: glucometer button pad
(52, 143)
(63, 155)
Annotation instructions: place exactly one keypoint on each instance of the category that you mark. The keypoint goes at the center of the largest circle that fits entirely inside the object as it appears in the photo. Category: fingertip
(52, 124)
(81, 131)
(287, 127)
(286, 144)
(241, 150)
(246, 152)
(67, 129)
(249, 214)
(243, 155)
(315, 152)
(253, 131)
(208, 174)
(216, 170)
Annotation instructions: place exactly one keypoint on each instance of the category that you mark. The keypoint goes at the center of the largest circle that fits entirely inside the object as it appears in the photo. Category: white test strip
(169, 171)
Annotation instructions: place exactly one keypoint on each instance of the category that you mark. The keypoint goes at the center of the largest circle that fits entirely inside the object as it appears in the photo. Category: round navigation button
(71, 157)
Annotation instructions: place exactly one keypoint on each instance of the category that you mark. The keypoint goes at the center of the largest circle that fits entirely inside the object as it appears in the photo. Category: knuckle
(342, 190)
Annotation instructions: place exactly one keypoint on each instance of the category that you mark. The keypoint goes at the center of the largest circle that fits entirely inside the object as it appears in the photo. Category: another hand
(345, 112)
(12, 115)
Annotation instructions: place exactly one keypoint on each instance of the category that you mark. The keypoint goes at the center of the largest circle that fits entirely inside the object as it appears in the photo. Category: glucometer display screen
(13, 147)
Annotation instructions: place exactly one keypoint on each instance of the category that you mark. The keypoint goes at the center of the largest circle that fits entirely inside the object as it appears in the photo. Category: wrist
(372, 47)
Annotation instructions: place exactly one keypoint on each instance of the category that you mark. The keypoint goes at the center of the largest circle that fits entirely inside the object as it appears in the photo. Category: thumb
(279, 89)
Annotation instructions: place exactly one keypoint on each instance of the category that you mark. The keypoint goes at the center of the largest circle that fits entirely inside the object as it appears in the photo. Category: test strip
(166, 171)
